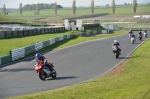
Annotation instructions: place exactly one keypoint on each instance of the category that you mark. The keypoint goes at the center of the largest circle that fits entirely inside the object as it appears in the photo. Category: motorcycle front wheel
(54, 74)
(117, 54)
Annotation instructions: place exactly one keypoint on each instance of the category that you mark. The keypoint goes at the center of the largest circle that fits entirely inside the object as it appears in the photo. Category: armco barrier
(90, 33)
(14, 33)
(17, 53)
(30, 32)
(26, 32)
(29, 49)
(9, 34)
(22, 52)
(5, 59)
(20, 33)
(82, 34)
(2, 34)
(90, 25)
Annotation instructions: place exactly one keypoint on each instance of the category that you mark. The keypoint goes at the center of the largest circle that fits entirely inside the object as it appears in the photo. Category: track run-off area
(74, 64)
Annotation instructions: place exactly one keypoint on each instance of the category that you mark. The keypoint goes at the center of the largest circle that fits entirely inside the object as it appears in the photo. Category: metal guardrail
(89, 33)
(9, 34)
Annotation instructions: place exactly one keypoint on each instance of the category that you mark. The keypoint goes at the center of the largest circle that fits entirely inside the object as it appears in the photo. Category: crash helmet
(115, 41)
(38, 55)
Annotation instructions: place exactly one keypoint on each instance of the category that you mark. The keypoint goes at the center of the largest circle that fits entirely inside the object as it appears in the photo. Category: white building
(146, 16)
(137, 17)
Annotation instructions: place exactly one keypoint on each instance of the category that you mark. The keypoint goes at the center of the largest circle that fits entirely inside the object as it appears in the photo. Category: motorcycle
(44, 71)
(116, 52)
(129, 35)
(132, 40)
(145, 34)
(140, 37)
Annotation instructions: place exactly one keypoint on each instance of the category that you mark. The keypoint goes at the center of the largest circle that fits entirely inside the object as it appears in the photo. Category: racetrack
(73, 65)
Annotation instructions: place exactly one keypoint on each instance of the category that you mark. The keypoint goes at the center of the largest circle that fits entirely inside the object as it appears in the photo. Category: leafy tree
(107, 5)
(74, 7)
(4, 9)
(41, 6)
(55, 8)
(20, 8)
(113, 6)
(92, 6)
(134, 5)
(125, 4)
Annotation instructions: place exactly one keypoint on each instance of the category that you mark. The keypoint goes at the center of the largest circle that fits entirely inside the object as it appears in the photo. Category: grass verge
(128, 81)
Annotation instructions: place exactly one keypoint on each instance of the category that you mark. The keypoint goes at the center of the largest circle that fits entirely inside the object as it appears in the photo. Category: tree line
(39, 6)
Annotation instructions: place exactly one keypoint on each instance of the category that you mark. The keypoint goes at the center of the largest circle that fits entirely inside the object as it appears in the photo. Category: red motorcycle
(44, 71)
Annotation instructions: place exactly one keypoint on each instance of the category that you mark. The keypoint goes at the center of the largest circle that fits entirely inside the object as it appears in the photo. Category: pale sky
(64, 3)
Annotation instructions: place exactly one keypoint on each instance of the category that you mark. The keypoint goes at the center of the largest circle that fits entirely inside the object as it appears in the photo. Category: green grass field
(13, 43)
(67, 13)
(128, 81)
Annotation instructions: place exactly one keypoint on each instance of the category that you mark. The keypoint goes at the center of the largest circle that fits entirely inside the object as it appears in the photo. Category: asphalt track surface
(74, 64)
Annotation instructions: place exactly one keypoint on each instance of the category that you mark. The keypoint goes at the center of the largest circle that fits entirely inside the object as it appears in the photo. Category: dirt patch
(119, 68)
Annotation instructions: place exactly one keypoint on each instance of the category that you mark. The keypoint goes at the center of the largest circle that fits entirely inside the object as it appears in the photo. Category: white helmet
(115, 41)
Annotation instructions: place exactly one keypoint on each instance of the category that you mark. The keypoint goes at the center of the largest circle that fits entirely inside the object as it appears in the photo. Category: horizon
(77, 6)
(15, 4)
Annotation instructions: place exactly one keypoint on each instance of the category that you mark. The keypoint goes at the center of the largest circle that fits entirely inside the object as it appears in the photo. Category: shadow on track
(136, 43)
(123, 57)
(62, 78)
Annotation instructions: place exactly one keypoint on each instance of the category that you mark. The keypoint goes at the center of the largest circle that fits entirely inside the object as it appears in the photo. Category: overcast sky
(64, 3)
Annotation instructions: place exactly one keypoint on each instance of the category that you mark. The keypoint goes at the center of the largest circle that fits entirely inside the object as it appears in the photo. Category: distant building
(146, 16)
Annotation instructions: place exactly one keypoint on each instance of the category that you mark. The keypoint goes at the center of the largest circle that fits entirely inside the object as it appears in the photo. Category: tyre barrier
(90, 33)
(9, 34)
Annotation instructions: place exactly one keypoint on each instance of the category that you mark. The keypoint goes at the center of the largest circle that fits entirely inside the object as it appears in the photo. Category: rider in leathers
(140, 33)
(130, 33)
(116, 44)
(40, 58)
